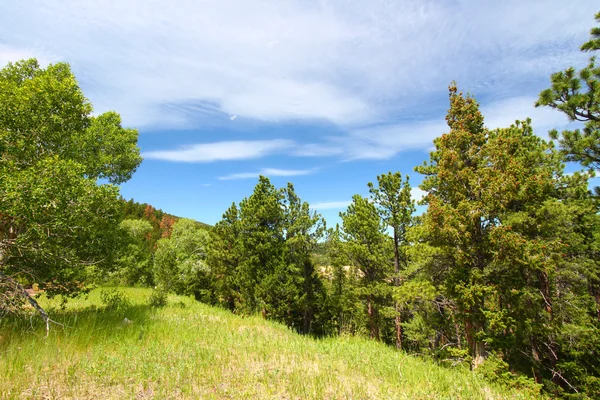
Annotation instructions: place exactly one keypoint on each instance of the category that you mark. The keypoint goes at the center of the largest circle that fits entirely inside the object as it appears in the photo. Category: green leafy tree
(55, 219)
(393, 199)
(368, 248)
(180, 261)
(134, 262)
(577, 95)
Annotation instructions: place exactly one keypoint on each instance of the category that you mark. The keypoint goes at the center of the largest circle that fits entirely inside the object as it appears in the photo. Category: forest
(499, 275)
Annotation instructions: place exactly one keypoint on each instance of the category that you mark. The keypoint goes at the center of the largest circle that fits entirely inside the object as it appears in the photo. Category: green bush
(158, 298)
(495, 370)
(114, 300)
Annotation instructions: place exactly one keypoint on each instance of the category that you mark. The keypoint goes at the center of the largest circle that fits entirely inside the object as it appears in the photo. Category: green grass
(190, 350)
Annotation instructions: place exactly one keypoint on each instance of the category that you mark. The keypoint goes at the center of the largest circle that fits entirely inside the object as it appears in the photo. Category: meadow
(190, 350)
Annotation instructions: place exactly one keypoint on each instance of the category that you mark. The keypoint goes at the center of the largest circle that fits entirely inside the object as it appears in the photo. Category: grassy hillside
(189, 350)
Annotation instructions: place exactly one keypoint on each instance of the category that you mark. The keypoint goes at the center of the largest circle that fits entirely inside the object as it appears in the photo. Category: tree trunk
(397, 283)
(545, 291)
(309, 290)
(598, 304)
(476, 347)
(456, 329)
(536, 358)
(596, 291)
(548, 306)
(398, 328)
(372, 323)
(479, 354)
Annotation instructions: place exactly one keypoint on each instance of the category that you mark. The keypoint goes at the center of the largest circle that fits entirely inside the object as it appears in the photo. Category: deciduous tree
(180, 261)
(55, 219)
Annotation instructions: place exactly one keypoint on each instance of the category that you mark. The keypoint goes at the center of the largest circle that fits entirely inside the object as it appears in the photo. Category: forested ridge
(500, 274)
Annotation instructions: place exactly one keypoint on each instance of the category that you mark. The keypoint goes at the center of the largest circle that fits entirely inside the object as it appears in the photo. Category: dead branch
(23, 292)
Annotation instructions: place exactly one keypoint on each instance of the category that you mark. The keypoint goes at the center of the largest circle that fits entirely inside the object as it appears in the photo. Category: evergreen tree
(458, 220)
(393, 199)
(224, 257)
(262, 275)
(303, 230)
(344, 293)
(502, 219)
(577, 95)
(369, 249)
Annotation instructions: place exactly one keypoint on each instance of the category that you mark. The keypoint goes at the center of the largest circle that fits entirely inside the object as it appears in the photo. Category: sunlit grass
(190, 350)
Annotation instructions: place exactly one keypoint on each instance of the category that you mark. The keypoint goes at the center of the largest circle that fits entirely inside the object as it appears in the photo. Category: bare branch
(23, 292)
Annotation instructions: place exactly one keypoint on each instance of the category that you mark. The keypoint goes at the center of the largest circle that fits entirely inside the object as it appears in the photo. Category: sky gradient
(325, 94)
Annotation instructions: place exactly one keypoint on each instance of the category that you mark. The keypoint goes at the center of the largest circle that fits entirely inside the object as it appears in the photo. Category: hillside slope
(190, 350)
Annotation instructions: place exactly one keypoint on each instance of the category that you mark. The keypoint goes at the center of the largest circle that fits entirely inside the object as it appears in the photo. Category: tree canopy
(56, 218)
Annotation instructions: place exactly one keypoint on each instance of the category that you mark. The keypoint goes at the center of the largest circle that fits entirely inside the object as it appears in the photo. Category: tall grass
(190, 350)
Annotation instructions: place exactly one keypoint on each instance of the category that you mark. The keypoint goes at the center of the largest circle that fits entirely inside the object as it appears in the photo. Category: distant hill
(161, 221)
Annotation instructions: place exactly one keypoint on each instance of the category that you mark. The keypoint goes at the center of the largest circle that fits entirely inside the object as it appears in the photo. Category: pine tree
(457, 220)
(511, 244)
(577, 95)
(303, 229)
(262, 244)
(393, 199)
(369, 249)
(225, 256)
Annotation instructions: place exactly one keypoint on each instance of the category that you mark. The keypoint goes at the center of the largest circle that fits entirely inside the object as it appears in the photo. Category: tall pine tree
(368, 248)
(392, 196)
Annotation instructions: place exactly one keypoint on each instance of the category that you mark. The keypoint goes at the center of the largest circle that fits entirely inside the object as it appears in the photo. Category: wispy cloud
(267, 172)
(349, 62)
(381, 142)
(222, 151)
(331, 205)
(376, 143)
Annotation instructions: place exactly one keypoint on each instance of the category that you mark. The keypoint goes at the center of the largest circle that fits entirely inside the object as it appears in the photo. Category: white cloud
(505, 112)
(417, 194)
(319, 150)
(385, 141)
(329, 205)
(267, 172)
(12, 54)
(352, 63)
(240, 175)
(376, 143)
(222, 151)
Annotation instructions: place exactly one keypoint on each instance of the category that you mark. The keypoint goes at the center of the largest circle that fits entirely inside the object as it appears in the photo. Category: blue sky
(326, 94)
